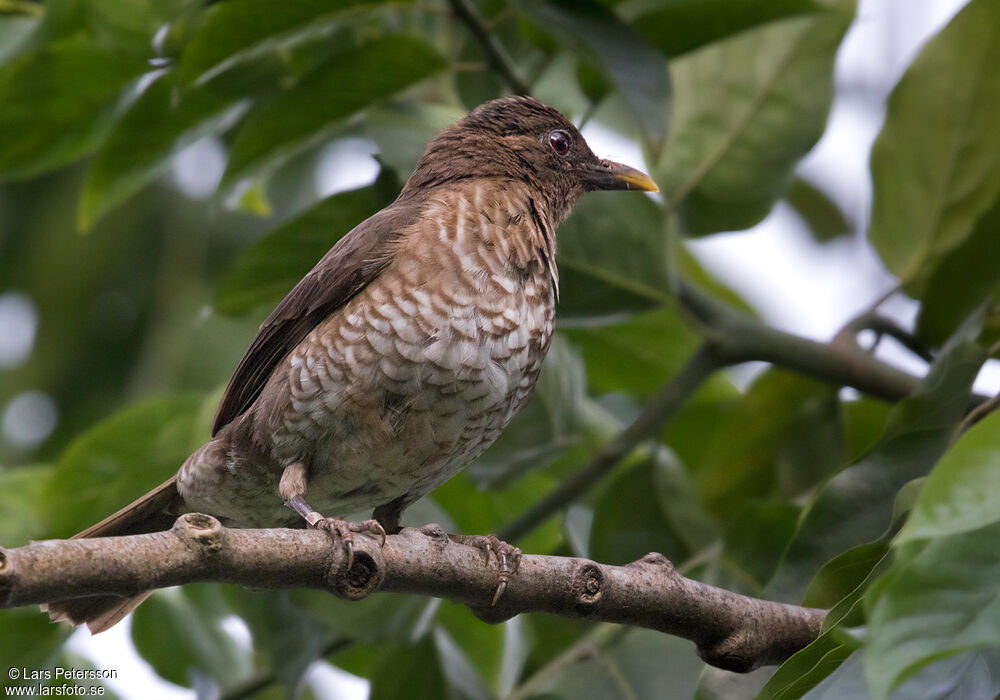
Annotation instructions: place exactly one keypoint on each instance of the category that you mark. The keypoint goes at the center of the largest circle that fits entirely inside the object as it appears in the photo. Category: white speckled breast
(419, 373)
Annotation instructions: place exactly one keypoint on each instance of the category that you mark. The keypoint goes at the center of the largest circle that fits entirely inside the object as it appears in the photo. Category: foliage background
(147, 291)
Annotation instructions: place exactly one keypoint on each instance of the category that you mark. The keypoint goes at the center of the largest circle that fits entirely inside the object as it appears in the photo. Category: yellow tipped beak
(616, 176)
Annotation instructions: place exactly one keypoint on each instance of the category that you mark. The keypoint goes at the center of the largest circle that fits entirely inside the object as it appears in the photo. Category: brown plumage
(405, 351)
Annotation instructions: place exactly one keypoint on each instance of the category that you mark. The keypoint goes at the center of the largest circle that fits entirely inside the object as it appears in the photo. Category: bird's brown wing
(350, 265)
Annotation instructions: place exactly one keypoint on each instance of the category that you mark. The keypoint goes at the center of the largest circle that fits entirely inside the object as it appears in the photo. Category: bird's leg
(508, 557)
(292, 489)
(389, 514)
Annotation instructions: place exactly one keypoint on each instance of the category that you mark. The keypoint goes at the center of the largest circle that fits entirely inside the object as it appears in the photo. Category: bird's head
(519, 138)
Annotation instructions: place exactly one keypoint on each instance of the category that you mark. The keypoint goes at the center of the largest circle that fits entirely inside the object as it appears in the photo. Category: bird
(402, 355)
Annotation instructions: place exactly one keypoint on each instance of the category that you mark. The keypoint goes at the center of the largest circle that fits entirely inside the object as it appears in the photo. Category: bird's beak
(609, 175)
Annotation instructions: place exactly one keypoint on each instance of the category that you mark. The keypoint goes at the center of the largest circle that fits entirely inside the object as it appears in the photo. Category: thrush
(402, 355)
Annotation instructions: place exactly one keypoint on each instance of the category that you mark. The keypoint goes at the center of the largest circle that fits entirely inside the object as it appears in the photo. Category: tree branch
(739, 338)
(731, 631)
(495, 53)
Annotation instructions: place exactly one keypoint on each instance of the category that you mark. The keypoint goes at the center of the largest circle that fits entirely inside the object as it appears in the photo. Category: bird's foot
(507, 555)
(343, 531)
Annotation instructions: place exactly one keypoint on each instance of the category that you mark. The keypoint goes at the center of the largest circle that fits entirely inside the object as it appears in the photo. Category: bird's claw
(343, 531)
(508, 557)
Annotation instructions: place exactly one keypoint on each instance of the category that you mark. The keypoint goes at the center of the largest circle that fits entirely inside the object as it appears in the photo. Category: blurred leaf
(856, 505)
(636, 356)
(233, 33)
(934, 168)
(864, 421)
(403, 130)
(19, 493)
(629, 521)
(120, 459)
(57, 103)
(679, 503)
(822, 216)
(612, 257)
(289, 639)
(636, 69)
(128, 26)
(743, 460)
(378, 618)
(746, 110)
(29, 640)
(962, 280)
(326, 96)
(963, 491)
(678, 26)
(412, 672)
(155, 128)
(276, 262)
(483, 645)
(14, 31)
(463, 680)
(937, 600)
(756, 536)
(179, 632)
(636, 664)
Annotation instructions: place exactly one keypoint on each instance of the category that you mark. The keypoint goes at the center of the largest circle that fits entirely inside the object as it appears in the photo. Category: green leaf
(163, 121)
(856, 506)
(276, 262)
(936, 600)
(234, 33)
(179, 632)
(57, 102)
(629, 521)
(962, 280)
(483, 645)
(746, 455)
(934, 168)
(402, 131)
(636, 356)
(412, 672)
(20, 490)
(29, 639)
(612, 258)
(14, 32)
(633, 663)
(973, 674)
(853, 572)
(820, 214)
(289, 639)
(678, 26)
(756, 536)
(963, 491)
(746, 110)
(631, 64)
(326, 96)
(119, 459)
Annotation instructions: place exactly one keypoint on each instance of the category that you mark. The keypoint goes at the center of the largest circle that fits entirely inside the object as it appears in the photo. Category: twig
(663, 405)
(739, 338)
(881, 326)
(731, 631)
(495, 53)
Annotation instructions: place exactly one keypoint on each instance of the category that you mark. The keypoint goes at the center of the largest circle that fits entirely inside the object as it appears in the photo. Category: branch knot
(201, 530)
(363, 578)
(588, 585)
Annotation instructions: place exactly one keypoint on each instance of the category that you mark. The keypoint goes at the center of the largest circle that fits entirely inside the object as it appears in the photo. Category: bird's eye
(559, 141)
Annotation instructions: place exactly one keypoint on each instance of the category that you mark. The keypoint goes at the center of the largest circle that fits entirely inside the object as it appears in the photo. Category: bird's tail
(153, 512)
